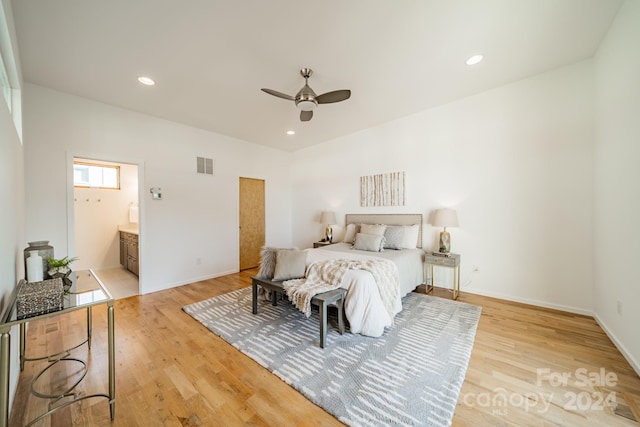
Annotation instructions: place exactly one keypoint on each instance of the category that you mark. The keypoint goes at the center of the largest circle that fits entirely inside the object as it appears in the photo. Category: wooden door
(251, 221)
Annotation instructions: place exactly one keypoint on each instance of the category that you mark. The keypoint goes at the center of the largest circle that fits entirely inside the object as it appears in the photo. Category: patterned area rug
(411, 376)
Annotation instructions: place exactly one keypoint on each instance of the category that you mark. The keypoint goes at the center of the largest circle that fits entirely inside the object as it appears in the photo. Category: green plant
(63, 262)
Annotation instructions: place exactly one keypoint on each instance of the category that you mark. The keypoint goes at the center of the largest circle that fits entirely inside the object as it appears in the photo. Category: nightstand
(321, 244)
(450, 261)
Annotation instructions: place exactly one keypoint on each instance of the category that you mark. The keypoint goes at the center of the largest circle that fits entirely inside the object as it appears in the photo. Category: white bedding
(363, 306)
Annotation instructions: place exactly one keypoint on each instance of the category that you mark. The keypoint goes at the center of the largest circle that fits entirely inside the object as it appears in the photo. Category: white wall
(198, 215)
(516, 162)
(97, 215)
(12, 210)
(12, 241)
(617, 182)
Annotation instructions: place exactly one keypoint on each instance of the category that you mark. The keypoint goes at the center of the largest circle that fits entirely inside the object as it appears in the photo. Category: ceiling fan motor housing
(306, 97)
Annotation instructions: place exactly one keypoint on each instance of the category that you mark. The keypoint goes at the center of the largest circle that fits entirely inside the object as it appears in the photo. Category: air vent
(204, 165)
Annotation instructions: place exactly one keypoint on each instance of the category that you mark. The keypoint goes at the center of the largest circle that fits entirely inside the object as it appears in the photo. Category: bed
(364, 308)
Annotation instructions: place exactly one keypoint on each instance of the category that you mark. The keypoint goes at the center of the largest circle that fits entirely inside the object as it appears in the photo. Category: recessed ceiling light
(146, 81)
(291, 132)
(474, 59)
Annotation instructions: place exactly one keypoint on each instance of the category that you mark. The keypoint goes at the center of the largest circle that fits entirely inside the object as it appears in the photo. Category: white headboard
(389, 219)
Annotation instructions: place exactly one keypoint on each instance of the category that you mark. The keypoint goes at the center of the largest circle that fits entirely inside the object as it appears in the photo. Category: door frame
(71, 232)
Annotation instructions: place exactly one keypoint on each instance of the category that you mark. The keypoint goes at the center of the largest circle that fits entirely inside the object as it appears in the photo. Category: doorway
(252, 222)
(105, 201)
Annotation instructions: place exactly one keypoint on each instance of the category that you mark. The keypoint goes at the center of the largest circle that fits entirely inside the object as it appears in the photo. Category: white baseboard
(569, 309)
(625, 353)
(191, 280)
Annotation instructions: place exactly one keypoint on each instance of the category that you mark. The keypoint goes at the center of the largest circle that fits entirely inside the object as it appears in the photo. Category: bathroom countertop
(129, 228)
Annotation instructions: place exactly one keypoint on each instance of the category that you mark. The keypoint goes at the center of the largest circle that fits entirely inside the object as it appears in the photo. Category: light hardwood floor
(172, 371)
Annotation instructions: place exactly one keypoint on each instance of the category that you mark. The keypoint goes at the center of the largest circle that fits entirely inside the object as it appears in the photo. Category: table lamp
(328, 218)
(445, 218)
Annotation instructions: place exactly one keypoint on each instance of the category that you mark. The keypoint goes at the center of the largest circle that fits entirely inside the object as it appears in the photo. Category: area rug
(411, 376)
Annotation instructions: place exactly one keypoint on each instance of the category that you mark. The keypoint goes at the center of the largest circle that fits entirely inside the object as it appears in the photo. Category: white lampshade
(328, 218)
(445, 218)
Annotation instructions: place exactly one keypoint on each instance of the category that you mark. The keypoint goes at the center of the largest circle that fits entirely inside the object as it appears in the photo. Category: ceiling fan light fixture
(306, 105)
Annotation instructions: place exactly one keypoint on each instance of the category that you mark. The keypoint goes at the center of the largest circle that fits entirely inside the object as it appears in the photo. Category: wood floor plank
(172, 371)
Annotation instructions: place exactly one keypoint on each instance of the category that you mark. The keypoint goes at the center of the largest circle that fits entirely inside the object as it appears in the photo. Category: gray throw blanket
(323, 276)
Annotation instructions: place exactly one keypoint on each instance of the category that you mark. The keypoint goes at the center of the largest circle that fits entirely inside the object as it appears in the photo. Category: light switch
(156, 193)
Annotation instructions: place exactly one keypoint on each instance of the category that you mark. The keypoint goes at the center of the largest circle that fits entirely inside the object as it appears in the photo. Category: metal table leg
(89, 326)
(5, 347)
(23, 345)
(112, 361)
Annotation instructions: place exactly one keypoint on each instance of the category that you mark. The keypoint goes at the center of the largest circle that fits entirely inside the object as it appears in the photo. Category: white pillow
(349, 234)
(410, 239)
(290, 264)
(369, 242)
(373, 229)
(268, 261)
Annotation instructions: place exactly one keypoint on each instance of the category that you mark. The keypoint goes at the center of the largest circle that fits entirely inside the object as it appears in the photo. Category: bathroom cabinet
(129, 251)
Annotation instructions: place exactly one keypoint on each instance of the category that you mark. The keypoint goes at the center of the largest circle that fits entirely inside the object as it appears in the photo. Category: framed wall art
(385, 189)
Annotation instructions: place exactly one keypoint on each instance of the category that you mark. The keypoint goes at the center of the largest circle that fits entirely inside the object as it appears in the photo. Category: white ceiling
(210, 58)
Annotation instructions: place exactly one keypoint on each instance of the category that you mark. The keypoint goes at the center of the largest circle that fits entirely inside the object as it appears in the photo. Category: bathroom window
(92, 175)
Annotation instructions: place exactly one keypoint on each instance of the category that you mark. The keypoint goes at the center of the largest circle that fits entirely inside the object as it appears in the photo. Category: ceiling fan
(307, 100)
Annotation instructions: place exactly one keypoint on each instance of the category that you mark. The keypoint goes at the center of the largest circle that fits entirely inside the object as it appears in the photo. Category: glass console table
(85, 292)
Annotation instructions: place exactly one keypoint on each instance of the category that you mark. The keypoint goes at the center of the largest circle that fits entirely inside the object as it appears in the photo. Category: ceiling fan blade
(278, 94)
(335, 96)
(305, 116)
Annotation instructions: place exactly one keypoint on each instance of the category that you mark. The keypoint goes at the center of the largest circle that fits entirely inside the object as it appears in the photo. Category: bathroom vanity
(129, 249)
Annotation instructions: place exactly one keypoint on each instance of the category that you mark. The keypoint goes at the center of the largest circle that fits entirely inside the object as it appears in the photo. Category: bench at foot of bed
(322, 301)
